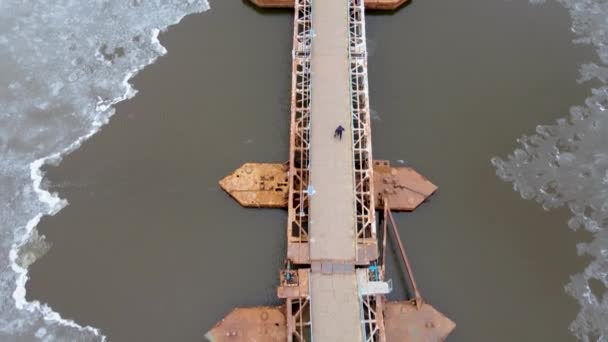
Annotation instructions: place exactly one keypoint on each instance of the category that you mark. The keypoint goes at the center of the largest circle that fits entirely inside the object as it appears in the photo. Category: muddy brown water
(150, 249)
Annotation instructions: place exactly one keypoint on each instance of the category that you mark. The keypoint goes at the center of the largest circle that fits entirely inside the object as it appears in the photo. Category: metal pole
(289, 317)
(385, 230)
(405, 260)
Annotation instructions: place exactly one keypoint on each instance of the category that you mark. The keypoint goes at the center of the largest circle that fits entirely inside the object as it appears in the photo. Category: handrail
(365, 221)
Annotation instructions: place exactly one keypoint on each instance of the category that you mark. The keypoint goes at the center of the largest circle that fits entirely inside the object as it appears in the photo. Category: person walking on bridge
(338, 132)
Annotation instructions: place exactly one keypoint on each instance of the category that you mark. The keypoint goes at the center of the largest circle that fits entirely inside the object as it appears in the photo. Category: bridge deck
(332, 211)
(336, 312)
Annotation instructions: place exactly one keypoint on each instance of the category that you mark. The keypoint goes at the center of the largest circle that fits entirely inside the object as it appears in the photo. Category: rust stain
(404, 322)
(265, 185)
(257, 185)
(294, 284)
(403, 187)
(298, 252)
(261, 323)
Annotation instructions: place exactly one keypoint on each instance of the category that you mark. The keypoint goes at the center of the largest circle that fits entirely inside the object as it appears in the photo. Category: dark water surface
(151, 249)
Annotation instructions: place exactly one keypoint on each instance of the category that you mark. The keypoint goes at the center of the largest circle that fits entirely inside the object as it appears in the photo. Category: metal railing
(299, 145)
(371, 305)
(362, 149)
(300, 321)
(372, 318)
(299, 325)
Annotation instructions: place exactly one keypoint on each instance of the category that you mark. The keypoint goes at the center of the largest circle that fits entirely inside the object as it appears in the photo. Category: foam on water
(64, 65)
(567, 164)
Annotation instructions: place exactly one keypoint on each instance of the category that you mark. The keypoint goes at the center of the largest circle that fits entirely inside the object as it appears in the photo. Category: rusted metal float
(369, 4)
(264, 185)
(251, 324)
(403, 322)
(258, 185)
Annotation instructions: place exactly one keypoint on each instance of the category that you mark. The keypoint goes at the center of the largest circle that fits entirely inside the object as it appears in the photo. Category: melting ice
(63, 65)
(567, 164)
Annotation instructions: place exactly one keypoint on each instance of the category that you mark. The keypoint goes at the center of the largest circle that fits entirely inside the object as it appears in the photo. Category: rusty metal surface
(405, 188)
(369, 4)
(251, 324)
(258, 185)
(366, 252)
(413, 320)
(264, 185)
(298, 252)
(299, 133)
(389, 216)
(403, 322)
(299, 322)
(367, 243)
(296, 286)
(373, 318)
(390, 5)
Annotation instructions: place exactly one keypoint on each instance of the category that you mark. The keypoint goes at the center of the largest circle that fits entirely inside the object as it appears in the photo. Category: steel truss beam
(372, 318)
(299, 144)
(371, 305)
(362, 149)
(299, 324)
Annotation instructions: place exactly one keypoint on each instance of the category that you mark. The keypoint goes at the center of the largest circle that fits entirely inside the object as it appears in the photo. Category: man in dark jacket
(338, 132)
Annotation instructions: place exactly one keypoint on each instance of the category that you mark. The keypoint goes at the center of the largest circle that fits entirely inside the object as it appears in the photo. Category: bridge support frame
(288, 185)
(299, 140)
(362, 151)
(373, 318)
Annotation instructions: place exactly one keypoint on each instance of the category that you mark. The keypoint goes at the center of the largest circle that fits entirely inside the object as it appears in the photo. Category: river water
(151, 249)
